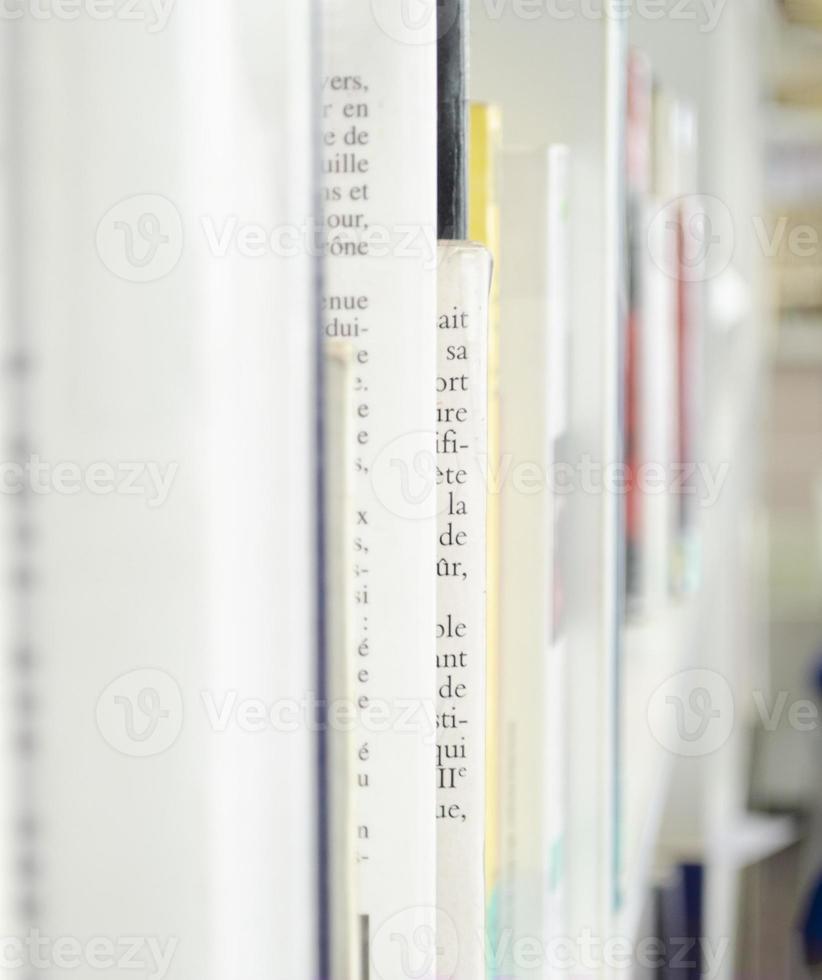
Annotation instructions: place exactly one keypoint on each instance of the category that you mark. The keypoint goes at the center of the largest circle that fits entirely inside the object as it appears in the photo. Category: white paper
(462, 458)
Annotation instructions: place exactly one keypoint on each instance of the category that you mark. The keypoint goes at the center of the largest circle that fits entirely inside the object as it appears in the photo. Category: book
(692, 255)
(166, 620)
(464, 279)
(658, 380)
(638, 167)
(685, 219)
(380, 203)
(15, 851)
(338, 794)
(452, 119)
(533, 684)
(556, 693)
(485, 143)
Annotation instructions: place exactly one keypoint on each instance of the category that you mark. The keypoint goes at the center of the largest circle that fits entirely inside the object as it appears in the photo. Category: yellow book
(483, 227)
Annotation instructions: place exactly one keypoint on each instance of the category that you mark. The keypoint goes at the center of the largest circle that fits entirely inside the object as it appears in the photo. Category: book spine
(175, 603)
(378, 95)
(484, 227)
(556, 693)
(338, 794)
(659, 383)
(452, 84)
(556, 559)
(638, 159)
(533, 574)
(462, 447)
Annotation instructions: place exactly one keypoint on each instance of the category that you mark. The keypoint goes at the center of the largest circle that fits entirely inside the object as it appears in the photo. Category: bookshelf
(322, 434)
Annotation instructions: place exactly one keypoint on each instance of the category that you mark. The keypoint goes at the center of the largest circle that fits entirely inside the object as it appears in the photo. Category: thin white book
(165, 633)
(658, 380)
(557, 694)
(378, 134)
(464, 281)
(533, 392)
(677, 249)
(10, 810)
(338, 797)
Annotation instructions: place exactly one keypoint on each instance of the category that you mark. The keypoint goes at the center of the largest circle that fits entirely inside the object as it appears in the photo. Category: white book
(378, 132)
(557, 693)
(677, 248)
(533, 385)
(167, 621)
(10, 812)
(658, 429)
(338, 795)
(464, 281)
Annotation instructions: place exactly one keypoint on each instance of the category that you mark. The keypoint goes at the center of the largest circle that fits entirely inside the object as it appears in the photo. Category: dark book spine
(452, 120)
